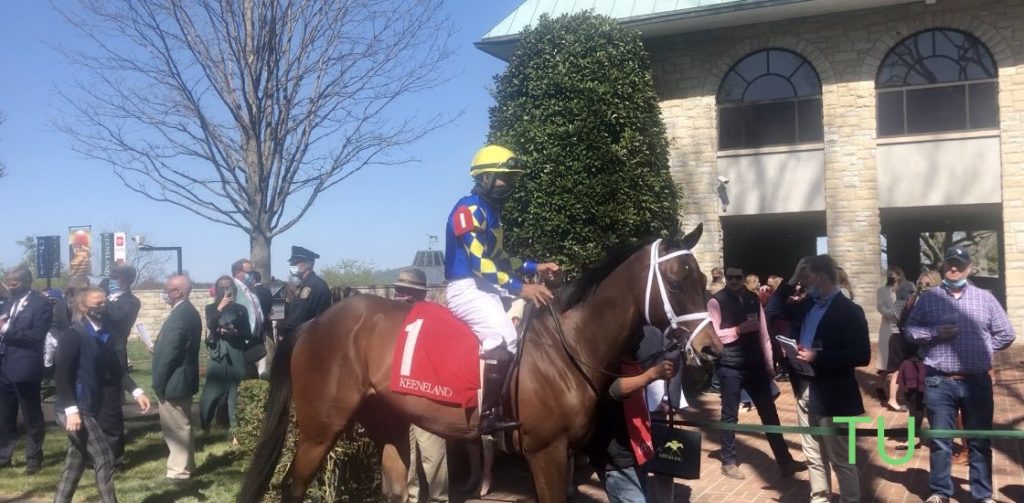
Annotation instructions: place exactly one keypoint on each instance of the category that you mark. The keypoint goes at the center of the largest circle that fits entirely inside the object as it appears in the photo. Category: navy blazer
(22, 343)
(843, 345)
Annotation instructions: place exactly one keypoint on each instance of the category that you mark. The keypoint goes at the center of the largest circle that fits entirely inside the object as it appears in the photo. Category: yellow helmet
(495, 159)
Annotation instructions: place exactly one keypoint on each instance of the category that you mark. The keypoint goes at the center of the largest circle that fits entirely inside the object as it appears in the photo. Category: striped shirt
(983, 324)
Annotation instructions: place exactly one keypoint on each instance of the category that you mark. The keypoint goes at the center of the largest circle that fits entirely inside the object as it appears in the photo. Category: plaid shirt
(984, 328)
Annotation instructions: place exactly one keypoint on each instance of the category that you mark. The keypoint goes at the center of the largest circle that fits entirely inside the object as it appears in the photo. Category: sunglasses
(734, 276)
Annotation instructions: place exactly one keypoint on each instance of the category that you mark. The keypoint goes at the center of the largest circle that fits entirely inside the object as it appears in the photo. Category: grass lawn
(220, 468)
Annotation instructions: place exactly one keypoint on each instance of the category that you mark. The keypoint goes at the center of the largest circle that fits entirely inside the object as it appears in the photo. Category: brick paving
(879, 482)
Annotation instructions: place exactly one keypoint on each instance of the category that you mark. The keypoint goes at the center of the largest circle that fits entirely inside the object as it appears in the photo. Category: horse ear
(690, 240)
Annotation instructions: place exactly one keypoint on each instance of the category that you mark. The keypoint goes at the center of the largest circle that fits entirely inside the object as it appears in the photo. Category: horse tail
(275, 429)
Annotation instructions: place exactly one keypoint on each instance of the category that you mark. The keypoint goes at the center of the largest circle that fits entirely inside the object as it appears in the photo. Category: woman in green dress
(227, 336)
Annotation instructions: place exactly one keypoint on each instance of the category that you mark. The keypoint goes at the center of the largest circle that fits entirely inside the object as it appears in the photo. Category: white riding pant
(478, 304)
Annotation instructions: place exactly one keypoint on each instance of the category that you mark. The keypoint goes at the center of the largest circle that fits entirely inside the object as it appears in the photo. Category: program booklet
(789, 347)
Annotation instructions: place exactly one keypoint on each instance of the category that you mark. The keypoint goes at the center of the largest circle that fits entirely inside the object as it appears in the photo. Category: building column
(851, 188)
(1011, 138)
(691, 127)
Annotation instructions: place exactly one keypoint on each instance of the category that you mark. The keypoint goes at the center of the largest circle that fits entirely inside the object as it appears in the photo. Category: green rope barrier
(860, 432)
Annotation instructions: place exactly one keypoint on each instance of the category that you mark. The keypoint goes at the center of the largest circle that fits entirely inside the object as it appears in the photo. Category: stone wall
(154, 311)
(846, 50)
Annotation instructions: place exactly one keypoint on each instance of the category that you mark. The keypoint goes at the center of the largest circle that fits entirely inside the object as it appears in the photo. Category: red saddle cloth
(436, 356)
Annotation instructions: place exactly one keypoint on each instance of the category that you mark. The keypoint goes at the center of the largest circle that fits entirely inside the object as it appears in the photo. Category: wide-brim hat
(411, 278)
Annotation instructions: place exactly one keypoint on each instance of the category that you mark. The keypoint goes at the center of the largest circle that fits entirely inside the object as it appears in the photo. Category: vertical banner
(48, 256)
(106, 253)
(80, 250)
(120, 248)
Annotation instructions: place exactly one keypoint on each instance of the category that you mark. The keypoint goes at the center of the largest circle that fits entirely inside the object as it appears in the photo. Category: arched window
(934, 81)
(770, 97)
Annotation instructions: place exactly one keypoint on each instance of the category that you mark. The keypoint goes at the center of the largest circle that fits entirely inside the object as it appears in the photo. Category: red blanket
(436, 357)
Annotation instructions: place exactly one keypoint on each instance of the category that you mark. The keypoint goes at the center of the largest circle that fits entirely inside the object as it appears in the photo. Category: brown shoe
(733, 472)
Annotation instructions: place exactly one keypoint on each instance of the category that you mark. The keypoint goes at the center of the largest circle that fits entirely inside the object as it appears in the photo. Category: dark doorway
(904, 229)
(771, 243)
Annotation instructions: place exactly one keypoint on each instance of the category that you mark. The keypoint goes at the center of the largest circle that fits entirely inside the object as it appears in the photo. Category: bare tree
(244, 112)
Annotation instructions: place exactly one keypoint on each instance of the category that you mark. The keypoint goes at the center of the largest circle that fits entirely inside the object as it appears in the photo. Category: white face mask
(293, 270)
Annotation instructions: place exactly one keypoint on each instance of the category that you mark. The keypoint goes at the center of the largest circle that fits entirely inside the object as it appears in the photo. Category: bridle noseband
(674, 321)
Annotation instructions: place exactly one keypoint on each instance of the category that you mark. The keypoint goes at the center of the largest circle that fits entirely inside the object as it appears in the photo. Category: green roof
(665, 17)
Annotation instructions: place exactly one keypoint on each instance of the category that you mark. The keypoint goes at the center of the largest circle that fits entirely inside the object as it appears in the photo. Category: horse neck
(600, 327)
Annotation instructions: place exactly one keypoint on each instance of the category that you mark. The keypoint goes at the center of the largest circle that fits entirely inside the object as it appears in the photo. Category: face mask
(890, 281)
(293, 270)
(97, 313)
(955, 284)
(249, 279)
(814, 292)
(114, 286)
(18, 291)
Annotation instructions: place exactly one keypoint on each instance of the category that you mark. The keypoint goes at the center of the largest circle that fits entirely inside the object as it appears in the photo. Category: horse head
(675, 297)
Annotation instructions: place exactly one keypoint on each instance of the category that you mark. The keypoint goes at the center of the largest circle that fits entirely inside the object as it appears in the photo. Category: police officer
(312, 296)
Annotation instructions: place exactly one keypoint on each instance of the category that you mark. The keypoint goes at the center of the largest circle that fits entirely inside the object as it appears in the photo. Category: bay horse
(338, 369)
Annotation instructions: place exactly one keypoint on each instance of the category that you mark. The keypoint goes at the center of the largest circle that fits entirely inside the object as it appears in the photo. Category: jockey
(479, 272)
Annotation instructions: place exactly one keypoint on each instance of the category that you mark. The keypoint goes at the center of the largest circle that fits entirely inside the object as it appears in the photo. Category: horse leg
(549, 470)
(394, 473)
(310, 451)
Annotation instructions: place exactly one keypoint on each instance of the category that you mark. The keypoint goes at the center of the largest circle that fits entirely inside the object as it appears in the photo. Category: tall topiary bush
(577, 103)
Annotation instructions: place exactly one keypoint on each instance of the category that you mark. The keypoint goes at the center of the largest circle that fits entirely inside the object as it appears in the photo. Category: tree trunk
(259, 253)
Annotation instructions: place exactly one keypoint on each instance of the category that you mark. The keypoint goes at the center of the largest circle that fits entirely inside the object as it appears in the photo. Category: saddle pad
(436, 356)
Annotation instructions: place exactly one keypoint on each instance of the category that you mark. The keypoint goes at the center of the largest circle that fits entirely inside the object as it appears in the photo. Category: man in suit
(267, 306)
(122, 310)
(176, 375)
(24, 322)
(833, 338)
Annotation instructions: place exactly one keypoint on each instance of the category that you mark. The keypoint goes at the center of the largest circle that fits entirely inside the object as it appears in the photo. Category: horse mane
(581, 289)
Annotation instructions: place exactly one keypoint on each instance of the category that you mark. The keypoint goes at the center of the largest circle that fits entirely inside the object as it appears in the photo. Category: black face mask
(486, 186)
(18, 292)
(97, 313)
(890, 281)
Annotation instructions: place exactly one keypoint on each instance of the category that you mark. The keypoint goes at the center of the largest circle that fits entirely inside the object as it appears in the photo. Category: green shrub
(577, 103)
(351, 472)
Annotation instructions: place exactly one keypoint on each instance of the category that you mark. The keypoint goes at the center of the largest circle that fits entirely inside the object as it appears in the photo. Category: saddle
(437, 356)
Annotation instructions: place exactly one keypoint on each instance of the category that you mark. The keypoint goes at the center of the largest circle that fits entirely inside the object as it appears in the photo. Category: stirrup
(492, 423)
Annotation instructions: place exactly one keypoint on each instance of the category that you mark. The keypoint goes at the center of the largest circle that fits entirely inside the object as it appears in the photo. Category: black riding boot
(496, 362)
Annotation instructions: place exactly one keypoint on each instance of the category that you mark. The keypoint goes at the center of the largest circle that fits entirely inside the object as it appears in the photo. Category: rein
(674, 320)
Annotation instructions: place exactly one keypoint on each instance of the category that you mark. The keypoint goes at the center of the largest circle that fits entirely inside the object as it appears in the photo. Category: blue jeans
(758, 384)
(624, 486)
(972, 396)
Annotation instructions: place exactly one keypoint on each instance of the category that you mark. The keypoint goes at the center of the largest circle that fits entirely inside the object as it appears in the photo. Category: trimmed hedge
(577, 103)
(351, 472)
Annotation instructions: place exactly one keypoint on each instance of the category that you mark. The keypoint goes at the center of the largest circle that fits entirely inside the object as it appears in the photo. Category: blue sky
(382, 216)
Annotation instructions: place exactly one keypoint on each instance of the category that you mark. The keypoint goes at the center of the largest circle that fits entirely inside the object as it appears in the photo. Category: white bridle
(670, 314)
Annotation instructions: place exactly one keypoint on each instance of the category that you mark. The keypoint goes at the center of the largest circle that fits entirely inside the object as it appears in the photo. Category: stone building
(849, 123)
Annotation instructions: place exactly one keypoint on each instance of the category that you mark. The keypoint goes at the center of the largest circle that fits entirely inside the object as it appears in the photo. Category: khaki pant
(428, 450)
(833, 448)
(176, 426)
